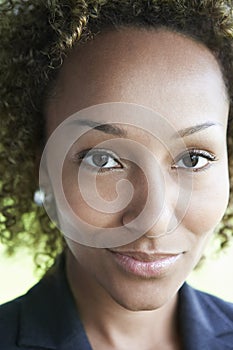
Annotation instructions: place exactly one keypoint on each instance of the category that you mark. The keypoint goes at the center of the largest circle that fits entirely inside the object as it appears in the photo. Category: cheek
(82, 254)
(90, 197)
(209, 200)
(90, 262)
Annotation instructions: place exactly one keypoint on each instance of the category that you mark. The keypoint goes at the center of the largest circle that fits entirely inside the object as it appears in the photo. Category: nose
(152, 209)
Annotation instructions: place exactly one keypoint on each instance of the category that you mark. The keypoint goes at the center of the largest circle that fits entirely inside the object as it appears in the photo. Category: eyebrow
(196, 128)
(116, 130)
(106, 128)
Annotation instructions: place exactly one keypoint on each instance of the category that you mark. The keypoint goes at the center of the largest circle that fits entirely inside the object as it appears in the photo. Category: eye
(99, 159)
(194, 160)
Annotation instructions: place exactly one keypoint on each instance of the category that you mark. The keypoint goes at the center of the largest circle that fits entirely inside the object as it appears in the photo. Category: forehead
(174, 75)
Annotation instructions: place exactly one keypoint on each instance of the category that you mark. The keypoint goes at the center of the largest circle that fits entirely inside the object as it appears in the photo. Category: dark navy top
(46, 318)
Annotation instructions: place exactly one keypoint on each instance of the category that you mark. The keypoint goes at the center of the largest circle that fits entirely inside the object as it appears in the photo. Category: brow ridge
(116, 130)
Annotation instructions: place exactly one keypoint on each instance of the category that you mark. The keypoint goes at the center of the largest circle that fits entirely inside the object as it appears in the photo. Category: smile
(145, 265)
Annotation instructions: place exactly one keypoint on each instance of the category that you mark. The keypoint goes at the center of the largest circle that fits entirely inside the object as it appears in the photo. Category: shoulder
(206, 302)
(23, 318)
(206, 319)
(43, 318)
(16, 314)
(9, 319)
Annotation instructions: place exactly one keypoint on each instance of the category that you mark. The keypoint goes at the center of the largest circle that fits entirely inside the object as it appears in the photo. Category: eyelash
(210, 157)
(90, 152)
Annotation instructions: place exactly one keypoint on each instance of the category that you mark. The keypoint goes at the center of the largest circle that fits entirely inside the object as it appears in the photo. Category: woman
(150, 86)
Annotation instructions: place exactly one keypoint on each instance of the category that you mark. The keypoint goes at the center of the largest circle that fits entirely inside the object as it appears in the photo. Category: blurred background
(215, 275)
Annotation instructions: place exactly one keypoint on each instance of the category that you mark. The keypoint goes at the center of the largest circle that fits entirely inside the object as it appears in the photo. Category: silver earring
(39, 197)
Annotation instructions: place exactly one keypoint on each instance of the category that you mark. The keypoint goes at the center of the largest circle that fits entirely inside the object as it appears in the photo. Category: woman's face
(181, 81)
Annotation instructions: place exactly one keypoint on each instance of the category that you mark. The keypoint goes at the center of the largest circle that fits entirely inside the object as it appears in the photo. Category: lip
(147, 265)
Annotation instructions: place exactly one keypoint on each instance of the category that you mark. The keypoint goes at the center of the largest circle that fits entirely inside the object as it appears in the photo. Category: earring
(39, 197)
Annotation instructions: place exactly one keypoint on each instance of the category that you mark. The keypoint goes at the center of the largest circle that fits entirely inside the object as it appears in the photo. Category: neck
(107, 322)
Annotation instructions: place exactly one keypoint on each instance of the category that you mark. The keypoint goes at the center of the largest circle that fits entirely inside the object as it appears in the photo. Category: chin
(143, 302)
(150, 295)
(140, 307)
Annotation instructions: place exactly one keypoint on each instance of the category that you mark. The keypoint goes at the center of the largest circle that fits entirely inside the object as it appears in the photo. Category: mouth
(145, 264)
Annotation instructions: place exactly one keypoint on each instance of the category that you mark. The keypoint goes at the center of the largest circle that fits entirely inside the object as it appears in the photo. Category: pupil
(190, 160)
(100, 159)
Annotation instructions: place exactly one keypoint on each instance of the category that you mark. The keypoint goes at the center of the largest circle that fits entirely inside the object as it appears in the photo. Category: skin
(181, 80)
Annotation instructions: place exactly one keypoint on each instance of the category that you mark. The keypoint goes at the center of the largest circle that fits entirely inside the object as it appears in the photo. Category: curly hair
(35, 38)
